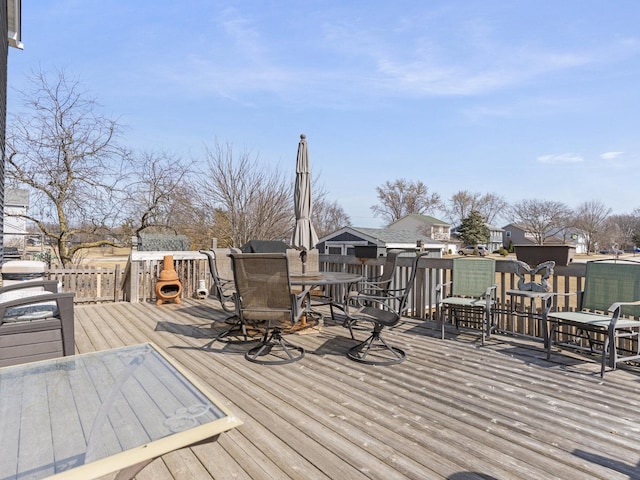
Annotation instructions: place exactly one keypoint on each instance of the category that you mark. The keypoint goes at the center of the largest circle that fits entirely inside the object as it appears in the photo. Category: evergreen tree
(473, 230)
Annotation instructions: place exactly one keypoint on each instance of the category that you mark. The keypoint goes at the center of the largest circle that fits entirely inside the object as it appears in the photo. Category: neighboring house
(374, 242)
(518, 235)
(579, 241)
(16, 202)
(14, 23)
(496, 241)
(425, 225)
(10, 36)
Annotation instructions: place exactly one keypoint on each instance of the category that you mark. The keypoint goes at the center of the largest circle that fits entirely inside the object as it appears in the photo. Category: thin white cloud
(610, 155)
(556, 158)
(242, 60)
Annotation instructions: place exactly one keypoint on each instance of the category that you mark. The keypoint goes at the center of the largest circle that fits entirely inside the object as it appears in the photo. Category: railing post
(116, 278)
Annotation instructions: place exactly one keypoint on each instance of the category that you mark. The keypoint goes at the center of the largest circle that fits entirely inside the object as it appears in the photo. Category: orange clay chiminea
(168, 287)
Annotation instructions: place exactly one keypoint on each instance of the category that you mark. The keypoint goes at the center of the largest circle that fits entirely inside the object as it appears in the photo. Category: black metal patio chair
(264, 297)
(376, 286)
(224, 290)
(382, 309)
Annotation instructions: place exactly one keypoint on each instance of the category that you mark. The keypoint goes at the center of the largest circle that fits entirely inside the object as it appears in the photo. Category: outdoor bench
(607, 316)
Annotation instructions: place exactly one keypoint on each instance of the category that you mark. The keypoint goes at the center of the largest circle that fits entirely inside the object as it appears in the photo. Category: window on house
(507, 233)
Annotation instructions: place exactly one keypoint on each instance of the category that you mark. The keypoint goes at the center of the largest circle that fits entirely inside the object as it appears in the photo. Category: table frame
(131, 461)
(520, 296)
(330, 280)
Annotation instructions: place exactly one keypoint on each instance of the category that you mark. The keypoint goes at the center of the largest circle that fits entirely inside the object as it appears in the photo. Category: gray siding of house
(516, 236)
(4, 53)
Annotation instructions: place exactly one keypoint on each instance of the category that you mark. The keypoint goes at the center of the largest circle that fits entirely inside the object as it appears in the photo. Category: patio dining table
(338, 284)
(85, 416)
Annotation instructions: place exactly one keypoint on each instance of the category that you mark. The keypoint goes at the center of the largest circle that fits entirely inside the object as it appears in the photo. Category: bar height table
(523, 296)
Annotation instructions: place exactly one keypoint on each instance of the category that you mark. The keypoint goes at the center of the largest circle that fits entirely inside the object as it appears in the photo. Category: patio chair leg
(269, 342)
(441, 319)
(375, 342)
(237, 326)
(606, 346)
(550, 335)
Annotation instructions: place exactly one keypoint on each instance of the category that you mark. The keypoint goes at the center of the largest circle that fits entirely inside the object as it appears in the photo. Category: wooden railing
(433, 271)
(90, 284)
(136, 282)
(143, 268)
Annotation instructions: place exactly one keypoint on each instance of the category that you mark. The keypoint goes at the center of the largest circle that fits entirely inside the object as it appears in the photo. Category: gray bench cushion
(27, 313)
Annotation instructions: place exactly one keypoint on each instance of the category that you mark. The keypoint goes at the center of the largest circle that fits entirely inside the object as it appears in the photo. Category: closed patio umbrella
(304, 236)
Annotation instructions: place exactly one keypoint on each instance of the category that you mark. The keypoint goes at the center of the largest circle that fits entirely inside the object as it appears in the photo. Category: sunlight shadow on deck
(337, 345)
(625, 468)
(194, 331)
(229, 345)
(470, 476)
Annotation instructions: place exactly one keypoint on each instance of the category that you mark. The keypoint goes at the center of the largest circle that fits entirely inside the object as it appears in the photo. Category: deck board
(453, 409)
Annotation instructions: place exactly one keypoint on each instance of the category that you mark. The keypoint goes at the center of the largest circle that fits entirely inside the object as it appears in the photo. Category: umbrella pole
(303, 259)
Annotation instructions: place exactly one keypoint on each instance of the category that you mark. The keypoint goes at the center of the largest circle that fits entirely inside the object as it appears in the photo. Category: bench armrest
(616, 306)
(47, 285)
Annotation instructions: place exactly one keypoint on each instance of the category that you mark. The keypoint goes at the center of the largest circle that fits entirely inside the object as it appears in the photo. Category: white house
(16, 202)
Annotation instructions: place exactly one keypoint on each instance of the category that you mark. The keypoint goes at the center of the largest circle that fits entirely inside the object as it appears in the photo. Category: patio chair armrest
(372, 301)
(373, 284)
(224, 282)
(297, 300)
(615, 310)
(47, 285)
(491, 290)
(363, 297)
(618, 305)
(440, 291)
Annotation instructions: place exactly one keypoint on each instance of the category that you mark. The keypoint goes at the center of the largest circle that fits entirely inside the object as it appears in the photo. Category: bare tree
(620, 230)
(159, 196)
(462, 203)
(68, 156)
(492, 207)
(403, 197)
(542, 218)
(244, 199)
(328, 217)
(590, 218)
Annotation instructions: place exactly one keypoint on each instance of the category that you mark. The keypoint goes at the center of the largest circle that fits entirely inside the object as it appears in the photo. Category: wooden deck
(452, 410)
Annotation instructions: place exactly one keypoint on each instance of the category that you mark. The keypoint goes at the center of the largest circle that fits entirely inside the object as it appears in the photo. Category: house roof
(493, 228)
(424, 219)
(14, 23)
(385, 237)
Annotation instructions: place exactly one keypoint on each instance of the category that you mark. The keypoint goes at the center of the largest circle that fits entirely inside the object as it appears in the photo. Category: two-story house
(495, 241)
(425, 225)
(514, 234)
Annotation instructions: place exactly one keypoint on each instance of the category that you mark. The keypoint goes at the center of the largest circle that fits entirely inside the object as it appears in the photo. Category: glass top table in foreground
(84, 416)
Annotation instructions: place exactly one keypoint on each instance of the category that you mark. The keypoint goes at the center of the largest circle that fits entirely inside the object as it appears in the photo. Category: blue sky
(525, 98)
